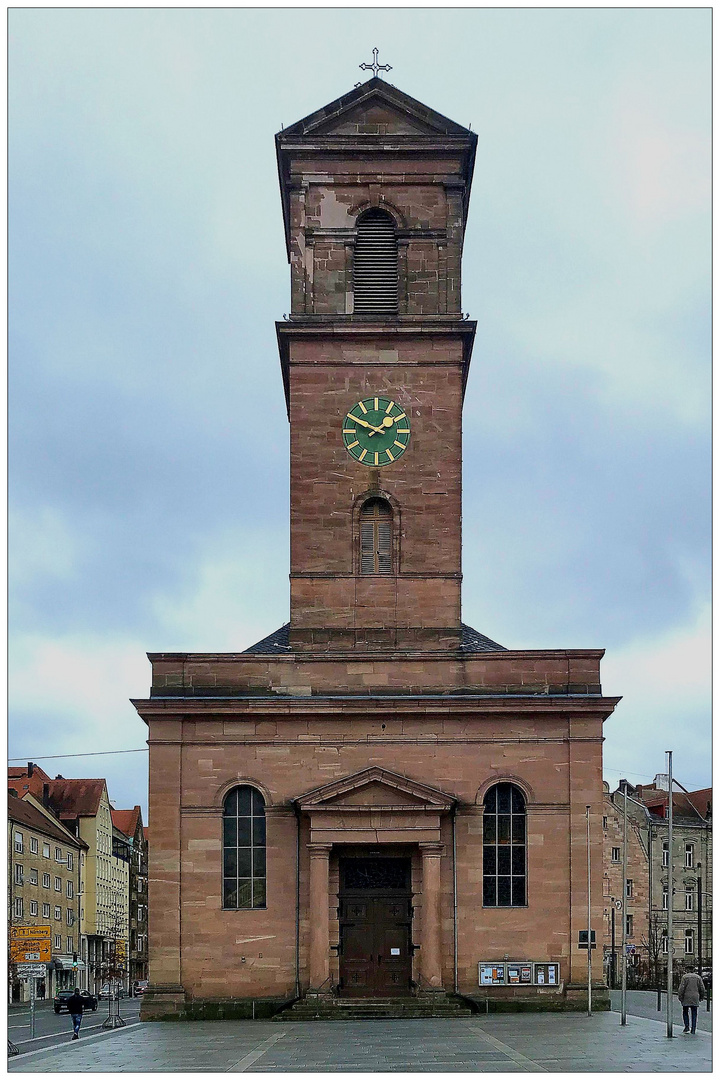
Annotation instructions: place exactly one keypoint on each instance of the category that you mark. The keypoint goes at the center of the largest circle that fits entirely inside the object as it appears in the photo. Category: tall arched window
(376, 537)
(375, 273)
(504, 847)
(244, 849)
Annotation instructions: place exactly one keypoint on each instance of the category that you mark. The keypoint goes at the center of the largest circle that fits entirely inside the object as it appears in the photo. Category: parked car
(63, 996)
(114, 992)
(140, 986)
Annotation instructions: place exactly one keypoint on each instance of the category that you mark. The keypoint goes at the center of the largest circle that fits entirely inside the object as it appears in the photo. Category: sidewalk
(530, 1042)
(644, 1003)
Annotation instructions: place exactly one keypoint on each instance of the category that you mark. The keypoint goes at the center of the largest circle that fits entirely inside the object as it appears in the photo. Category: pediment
(376, 108)
(375, 788)
(374, 116)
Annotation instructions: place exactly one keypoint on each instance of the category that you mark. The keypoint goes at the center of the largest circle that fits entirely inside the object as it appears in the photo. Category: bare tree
(115, 964)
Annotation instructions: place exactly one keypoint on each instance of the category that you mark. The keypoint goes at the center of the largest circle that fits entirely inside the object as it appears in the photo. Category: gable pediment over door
(375, 806)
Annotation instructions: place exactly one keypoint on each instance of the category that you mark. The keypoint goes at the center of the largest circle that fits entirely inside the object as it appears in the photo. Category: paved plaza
(497, 1043)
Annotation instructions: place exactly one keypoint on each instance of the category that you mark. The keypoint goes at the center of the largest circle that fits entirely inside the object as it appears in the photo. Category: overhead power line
(95, 753)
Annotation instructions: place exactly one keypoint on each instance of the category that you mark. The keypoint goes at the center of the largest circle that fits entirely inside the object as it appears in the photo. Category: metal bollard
(659, 1004)
(707, 999)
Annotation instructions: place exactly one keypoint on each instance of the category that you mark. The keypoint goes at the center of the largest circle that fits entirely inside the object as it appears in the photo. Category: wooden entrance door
(375, 927)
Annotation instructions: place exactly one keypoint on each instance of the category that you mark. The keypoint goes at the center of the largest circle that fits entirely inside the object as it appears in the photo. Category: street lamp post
(623, 1009)
(671, 890)
(589, 917)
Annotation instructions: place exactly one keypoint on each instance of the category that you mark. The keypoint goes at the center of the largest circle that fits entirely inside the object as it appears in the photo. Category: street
(52, 1028)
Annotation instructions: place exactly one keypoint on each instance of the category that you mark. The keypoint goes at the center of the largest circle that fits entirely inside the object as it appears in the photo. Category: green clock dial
(376, 431)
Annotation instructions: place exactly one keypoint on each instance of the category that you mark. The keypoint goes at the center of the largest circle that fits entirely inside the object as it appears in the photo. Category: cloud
(148, 437)
(665, 681)
(70, 695)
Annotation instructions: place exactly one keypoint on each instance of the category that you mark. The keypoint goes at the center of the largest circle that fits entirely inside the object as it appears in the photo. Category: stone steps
(375, 1009)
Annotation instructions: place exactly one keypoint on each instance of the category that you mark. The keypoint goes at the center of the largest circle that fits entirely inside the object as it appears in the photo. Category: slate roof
(474, 641)
(279, 642)
(24, 813)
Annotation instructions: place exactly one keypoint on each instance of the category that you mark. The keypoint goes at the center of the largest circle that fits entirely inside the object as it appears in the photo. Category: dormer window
(375, 275)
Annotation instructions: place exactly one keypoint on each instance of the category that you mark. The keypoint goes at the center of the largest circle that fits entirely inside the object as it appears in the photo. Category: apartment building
(83, 808)
(44, 888)
(130, 823)
(648, 879)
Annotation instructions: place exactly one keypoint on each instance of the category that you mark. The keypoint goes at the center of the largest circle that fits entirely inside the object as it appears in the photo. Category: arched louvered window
(244, 849)
(375, 276)
(376, 537)
(504, 847)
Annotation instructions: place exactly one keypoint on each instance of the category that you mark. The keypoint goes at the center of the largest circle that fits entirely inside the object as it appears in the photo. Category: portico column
(430, 940)
(319, 915)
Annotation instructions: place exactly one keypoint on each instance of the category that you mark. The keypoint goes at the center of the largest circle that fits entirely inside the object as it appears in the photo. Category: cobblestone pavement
(500, 1043)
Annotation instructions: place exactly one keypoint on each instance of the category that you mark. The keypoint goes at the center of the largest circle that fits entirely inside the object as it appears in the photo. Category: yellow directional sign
(30, 944)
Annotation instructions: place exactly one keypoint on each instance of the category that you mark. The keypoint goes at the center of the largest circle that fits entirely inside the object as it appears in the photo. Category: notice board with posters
(518, 973)
(491, 974)
(547, 974)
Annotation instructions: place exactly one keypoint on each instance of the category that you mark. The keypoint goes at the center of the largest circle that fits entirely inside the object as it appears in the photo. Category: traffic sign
(31, 971)
(30, 943)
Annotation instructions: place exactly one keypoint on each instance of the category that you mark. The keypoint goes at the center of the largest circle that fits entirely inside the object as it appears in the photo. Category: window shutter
(376, 537)
(375, 276)
(367, 545)
(384, 542)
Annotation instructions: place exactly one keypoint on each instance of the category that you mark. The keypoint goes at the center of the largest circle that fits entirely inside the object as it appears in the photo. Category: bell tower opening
(375, 270)
(376, 529)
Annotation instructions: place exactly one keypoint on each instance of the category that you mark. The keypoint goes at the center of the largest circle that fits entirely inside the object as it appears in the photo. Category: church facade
(375, 801)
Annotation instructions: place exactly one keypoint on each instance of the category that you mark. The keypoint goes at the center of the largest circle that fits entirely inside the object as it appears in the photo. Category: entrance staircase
(397, 1008)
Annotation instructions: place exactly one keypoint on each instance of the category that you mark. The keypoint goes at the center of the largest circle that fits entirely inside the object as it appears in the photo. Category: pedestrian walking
(75, 1008)
(690, 993)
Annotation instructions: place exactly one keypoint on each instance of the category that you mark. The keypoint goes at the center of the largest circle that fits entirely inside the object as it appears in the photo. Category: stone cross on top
(375, 67)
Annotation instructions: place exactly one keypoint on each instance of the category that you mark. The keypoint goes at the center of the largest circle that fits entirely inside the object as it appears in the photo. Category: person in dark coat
(690, 992)
(75, 1008)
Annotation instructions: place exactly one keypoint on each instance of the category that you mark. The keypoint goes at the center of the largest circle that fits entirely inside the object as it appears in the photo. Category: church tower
(375, 356)
(376, 800)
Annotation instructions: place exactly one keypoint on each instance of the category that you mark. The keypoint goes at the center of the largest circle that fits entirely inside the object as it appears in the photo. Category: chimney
(30, 769)
(46, 796)
(662, 781)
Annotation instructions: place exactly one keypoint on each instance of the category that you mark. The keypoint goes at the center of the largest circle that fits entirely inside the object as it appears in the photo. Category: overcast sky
(148, 436)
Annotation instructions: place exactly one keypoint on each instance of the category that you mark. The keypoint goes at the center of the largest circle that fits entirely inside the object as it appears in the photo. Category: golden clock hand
(364, 423)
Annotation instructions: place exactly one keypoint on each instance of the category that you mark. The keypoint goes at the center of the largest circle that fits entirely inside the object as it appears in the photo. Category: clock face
(376, 431)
